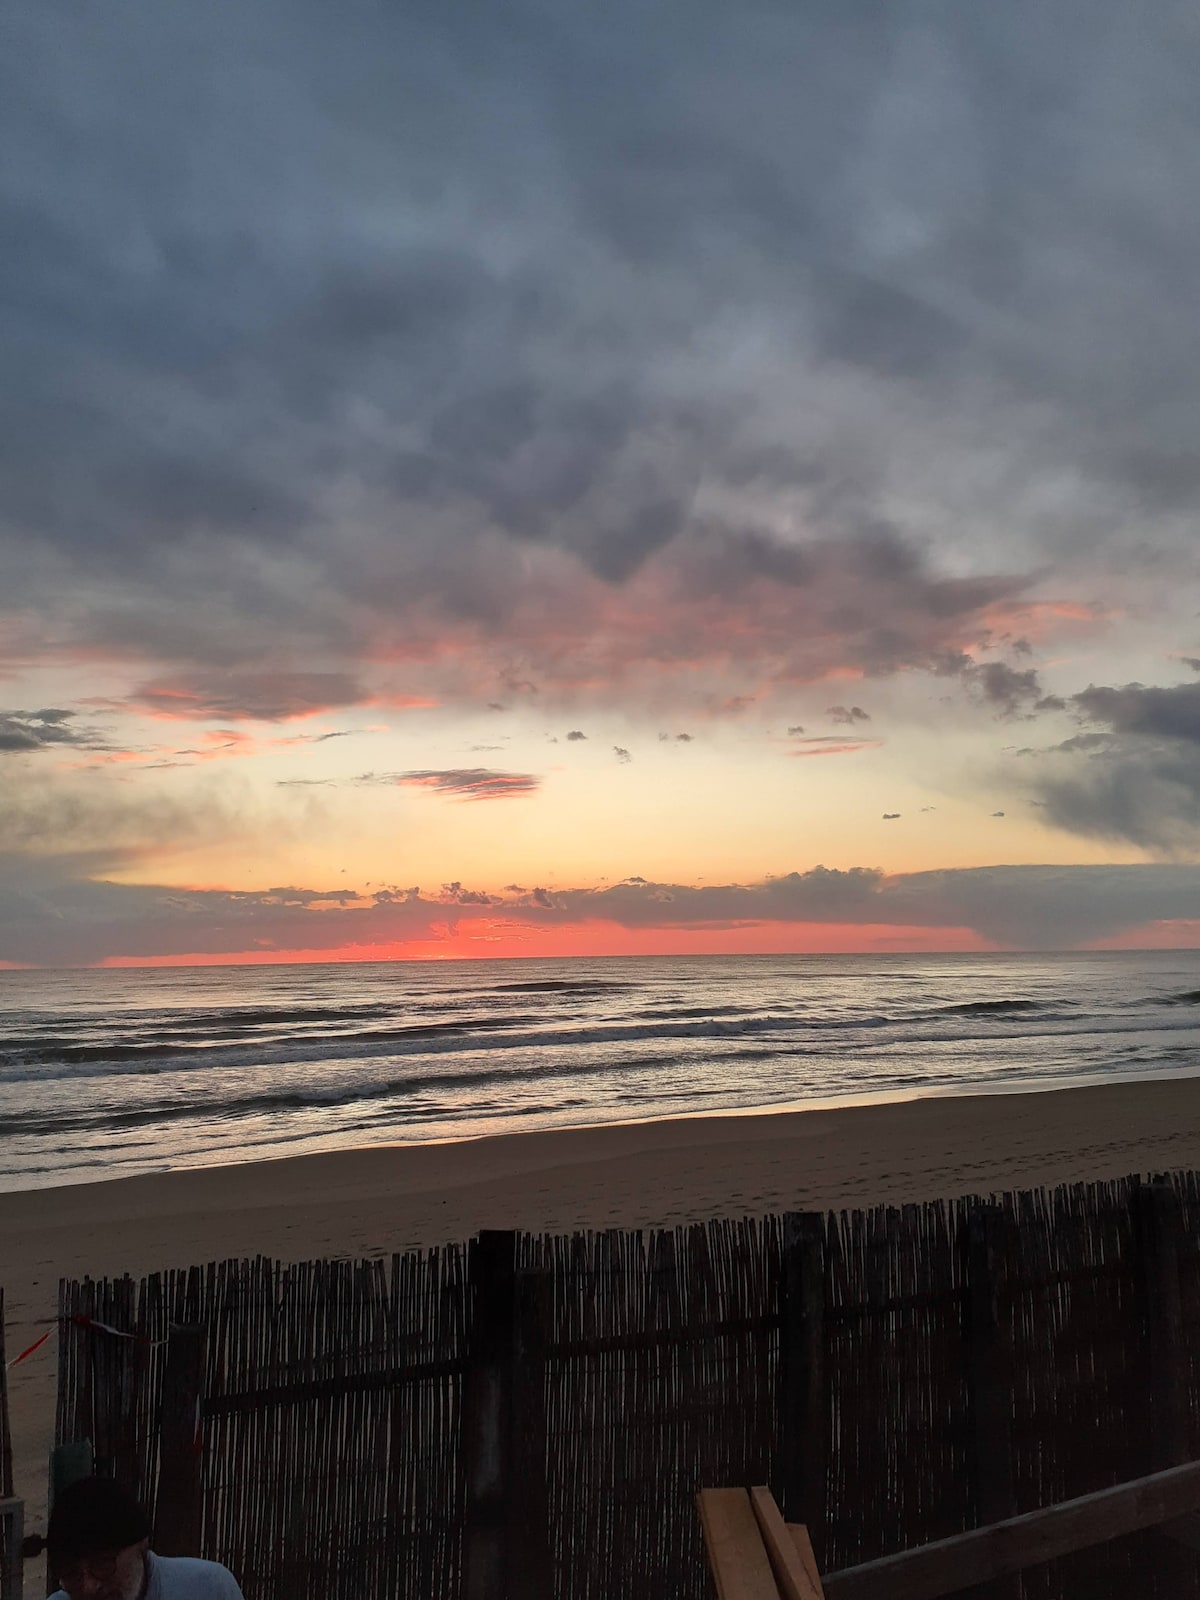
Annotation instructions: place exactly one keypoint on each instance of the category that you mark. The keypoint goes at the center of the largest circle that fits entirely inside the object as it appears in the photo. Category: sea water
(119, 1071)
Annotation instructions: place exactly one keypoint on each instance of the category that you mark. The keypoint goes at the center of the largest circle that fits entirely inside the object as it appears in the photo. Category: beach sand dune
(368, 1202)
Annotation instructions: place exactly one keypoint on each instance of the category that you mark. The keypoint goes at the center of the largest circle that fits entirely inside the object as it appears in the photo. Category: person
(98, 1538)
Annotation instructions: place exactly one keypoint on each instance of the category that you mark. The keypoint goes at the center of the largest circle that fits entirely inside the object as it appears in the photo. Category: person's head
(97, 1538)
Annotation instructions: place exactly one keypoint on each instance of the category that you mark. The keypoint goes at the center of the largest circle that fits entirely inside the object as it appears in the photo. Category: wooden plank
(791, 1577)
(736, 1553)
(1025, 1541)
(178, 1508)
(803, 1544)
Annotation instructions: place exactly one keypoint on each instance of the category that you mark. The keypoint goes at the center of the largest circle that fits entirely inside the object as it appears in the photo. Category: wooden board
(986, 1553)
(736, 1552)
(808, 1560)
(793, 1580)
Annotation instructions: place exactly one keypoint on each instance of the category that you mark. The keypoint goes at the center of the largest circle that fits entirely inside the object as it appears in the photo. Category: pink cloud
(833, 746)
(464, 783)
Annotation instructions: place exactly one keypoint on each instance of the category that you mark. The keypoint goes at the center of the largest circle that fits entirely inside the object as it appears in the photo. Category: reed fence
(530, 1416)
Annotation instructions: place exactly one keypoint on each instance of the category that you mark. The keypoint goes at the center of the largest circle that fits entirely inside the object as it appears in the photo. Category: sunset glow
(503, 518)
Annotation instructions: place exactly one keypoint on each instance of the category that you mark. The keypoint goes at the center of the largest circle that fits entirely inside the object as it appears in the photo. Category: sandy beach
(374, 1201)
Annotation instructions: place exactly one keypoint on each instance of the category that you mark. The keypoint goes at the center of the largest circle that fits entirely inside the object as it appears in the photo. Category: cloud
(64, 912)
(250, 696)
(1010, 690)
(621, 753)
(26, 732)
(534, 380)
(574, 736)
(997, 813)
(455, 894)
(796, 729)
(1136, 777)
(830, 745)
(1148, 797)
(1170, 713)
(466, 783)
(891, 816)
(98, 818)
(847, 715)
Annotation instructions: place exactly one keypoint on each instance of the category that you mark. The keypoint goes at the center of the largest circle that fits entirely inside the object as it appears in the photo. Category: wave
(986, 1008)
(561, 986)
(1189, 997)
(494, 1034)
(65, 1053)
(245, 1105)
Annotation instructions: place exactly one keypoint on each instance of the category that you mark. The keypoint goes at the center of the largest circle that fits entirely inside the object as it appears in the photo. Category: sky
(576, 478)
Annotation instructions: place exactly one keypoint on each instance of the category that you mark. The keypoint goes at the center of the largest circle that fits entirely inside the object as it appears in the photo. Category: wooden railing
(752, 1559)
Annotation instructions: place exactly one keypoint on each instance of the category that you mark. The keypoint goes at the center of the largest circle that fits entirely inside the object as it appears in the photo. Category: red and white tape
(80, 1320)
(25, 1354)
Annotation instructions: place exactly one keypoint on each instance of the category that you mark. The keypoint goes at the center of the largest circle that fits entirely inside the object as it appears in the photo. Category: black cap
(94, 1516)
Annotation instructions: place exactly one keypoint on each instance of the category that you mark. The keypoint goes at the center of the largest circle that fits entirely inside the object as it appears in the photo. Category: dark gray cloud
(326, 322)
(575, 736)
(24, 732)
(455, 894)
(1127, 791)
(1135, 776)
(61, 912)
(250, 696)
(1006, 689)
(1170, 713)
(622, 754)
(847, 716)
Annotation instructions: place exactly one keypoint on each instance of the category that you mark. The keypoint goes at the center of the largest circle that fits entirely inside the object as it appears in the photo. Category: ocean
(104, 1073)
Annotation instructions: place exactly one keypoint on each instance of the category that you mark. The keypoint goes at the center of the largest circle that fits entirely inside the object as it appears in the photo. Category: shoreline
(1016, 1088)
(373, 1200)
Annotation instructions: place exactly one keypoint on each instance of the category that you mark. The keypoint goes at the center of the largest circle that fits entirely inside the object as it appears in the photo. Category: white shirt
(184, 1578)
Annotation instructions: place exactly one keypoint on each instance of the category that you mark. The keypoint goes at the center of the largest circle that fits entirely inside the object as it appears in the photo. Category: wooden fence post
(178, 1511)
(1158, 1224)
(804, 1430)
(504, 1549)
(990, 1379)
(1158, 1219)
